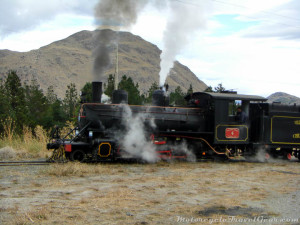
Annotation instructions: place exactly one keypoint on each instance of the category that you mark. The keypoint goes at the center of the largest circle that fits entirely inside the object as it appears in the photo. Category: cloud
(278, 20)
(245, 7)
(247, 45)
(59, 28)
(249, 65)
(23, 15)
(280, 31)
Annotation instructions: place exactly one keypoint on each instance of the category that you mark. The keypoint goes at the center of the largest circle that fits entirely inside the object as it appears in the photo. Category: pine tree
(71, 101)
(190, 90)
(177, 97)
(36, 104)
(55, 115)
(16, 99)
(209, 89)
(51, 96)
(127, 84)
(110, 87)
(4, 106)
(153, 87)
(219, 88)
(86, 92)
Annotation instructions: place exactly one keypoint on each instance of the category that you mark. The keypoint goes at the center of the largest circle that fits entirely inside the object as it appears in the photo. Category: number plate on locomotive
(232, 133)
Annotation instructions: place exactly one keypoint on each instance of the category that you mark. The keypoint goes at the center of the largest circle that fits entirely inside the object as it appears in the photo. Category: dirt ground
(161, 193)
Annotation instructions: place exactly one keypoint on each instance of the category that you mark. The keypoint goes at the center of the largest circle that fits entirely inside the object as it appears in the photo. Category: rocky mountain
(71, 60)
(284, 98)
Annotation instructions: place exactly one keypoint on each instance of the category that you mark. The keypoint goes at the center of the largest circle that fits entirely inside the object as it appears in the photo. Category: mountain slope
(71, 60)
(283, 98)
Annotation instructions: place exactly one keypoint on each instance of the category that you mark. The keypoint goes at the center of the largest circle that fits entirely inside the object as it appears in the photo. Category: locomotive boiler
(208, 127)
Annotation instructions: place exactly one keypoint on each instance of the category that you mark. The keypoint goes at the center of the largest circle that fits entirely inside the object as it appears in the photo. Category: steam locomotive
(207, 127)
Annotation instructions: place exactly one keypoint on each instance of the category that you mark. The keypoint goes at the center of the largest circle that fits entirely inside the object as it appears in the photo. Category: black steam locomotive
(208, 127)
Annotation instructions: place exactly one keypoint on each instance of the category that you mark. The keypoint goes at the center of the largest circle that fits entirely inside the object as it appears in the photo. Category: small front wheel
(77, 155)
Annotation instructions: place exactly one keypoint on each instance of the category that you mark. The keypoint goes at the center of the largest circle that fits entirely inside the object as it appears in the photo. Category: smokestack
(166, 87)
(96, 91)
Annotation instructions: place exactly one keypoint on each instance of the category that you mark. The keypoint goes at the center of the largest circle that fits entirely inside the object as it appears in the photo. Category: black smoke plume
(106, 40)
(112, 14)
(118, 12)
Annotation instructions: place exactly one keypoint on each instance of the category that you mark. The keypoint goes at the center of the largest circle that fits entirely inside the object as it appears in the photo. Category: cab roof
(227, 96)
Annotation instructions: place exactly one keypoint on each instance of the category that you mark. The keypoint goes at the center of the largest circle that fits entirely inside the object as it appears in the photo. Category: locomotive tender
(208, 126)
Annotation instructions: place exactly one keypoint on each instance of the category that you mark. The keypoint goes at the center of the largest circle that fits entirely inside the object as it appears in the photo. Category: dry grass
(36, 216)
(23, 146)
(75, 193)
(66, 129)
(82, 169)
(8, 128)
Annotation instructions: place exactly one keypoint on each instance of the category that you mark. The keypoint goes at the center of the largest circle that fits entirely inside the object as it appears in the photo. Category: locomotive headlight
(90, 134)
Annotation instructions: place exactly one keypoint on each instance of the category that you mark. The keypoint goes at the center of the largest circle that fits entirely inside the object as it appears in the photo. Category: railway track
(23, 163)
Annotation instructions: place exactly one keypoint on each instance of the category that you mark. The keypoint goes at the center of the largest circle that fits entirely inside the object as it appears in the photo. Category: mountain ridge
(284, 98)
(70, 60)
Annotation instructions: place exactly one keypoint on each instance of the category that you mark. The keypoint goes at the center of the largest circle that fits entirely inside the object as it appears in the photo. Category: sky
(250, 46)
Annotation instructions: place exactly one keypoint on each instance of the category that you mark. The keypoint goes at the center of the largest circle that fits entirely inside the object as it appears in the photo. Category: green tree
(153, 87)
(36, 104)
(209, 89)
(16, 99)
(177, 97)
(4, 106)
(219, 88)
(55, 115)
(190, 90)
(51, 96)
(134, 97)
(110, 87)
(71, 101)
(86, 92)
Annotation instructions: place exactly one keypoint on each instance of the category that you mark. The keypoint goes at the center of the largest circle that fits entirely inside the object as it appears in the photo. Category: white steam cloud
(135, 142)
(183, 22)
(190, 156)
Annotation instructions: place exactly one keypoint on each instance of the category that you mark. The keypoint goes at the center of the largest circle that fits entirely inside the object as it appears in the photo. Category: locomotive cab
(231, 122)
(228, 115)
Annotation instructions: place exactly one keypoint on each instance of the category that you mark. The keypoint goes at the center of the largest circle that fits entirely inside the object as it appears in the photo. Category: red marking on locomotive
(232, 133)
(160, 142)
(68, 148)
